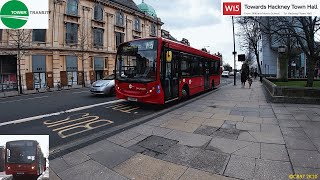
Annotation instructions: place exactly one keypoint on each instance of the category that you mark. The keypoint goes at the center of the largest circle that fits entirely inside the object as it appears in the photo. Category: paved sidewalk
(43, 90)
(230, 134)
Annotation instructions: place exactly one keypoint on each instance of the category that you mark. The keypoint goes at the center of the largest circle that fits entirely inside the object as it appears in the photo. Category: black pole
(234, 53)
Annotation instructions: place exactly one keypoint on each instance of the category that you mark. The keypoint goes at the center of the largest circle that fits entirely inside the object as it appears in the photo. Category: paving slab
(158, 144)
(198, 114)
(266, 170)
(228, 133)
(285, 116)
(192, 174)
(248, 126)
(304, 158)
(256, 120)
(311, 128)
(265, 137)
(149, 168)
(250, 114)
(293, 132)
(240, 167)
(75, 158)
(301, 117)
(213, 122)
(205, 130)
(182, 126)
(197, 120)
(274, 152)
(288, 123)
(211, 161)
(270, 121)
(227, 145)
(53, 175)
(246, 136)
(148, 130)
(299, 143)
(59, 165)
(180, 154)
(252, 150)
(112, 156)
(90, 170)
(93, 148)
(188, 139)
(271, 128)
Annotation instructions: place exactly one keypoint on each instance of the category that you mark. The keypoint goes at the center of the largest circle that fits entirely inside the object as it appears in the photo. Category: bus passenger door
(170, 81)
(206, 75)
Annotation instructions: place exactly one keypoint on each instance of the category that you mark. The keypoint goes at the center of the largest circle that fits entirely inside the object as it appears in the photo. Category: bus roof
(182, 47)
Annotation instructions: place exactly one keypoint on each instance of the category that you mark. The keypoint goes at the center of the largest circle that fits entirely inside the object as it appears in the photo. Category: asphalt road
(82, 119)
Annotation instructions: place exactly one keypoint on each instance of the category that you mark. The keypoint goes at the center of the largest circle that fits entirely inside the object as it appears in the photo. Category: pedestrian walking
(255, 75)
(243, 78)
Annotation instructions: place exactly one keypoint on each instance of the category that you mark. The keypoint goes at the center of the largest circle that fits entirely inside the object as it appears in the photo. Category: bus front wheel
(185, 92)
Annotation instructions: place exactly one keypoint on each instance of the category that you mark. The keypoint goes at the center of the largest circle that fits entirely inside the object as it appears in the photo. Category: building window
(98, 37)
(137, 24)
(153, 30)
(39, 35)
(72, 7)
(119, 18)
(98, 12)
(119, 38)
(71, 33)
(0, 34)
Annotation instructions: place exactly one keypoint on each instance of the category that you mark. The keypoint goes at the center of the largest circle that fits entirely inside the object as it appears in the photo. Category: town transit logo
(26, 14)
(14, 14)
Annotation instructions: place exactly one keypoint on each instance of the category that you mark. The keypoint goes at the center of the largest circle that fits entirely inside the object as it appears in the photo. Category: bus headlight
(32, 167)
(9, 167)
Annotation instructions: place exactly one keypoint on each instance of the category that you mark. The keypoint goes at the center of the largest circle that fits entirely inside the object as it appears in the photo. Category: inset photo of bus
(24, 157)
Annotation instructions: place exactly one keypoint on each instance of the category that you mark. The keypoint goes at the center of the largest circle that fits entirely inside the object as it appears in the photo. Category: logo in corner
(14, 14)
(231, 8)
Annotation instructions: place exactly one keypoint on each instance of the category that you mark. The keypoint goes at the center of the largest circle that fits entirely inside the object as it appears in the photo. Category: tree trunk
(259, 67)
(312, 64)
(19, 72)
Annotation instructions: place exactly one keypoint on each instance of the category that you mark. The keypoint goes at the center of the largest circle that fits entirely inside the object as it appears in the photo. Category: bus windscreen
(21, 152)
(136, 61)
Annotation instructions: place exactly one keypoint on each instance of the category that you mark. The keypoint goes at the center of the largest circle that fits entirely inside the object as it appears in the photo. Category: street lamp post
(234, 53)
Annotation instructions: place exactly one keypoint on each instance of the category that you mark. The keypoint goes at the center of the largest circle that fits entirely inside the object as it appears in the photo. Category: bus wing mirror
(169, 56)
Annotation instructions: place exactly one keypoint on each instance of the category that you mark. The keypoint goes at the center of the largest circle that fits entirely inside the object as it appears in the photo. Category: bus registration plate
(132, 99)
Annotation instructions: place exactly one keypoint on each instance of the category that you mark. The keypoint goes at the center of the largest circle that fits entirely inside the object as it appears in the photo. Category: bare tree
(19, 41)
(304, 30)
(250, 34)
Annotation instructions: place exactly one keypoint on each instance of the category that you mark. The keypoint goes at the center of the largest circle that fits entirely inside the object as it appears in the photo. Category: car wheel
(112, 91)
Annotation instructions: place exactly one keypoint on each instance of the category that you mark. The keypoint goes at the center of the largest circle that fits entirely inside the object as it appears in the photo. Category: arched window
(119, 18)
(98, 12)
(72, 7)
(137, 24)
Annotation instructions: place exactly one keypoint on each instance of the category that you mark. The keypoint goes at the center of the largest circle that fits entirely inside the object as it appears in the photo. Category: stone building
(80, 44)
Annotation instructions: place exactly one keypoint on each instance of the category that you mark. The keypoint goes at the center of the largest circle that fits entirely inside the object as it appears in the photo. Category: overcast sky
(42, 139)
(199, 21)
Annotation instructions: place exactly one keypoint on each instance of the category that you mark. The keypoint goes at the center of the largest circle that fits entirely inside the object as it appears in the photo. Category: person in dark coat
(243, 78)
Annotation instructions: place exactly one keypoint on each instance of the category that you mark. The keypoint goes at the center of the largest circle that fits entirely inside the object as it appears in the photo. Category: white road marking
(23, 99)
(57, 113)
(80, 92)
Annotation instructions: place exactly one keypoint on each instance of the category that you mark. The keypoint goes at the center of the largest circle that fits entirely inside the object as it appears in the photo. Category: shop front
(8, 73)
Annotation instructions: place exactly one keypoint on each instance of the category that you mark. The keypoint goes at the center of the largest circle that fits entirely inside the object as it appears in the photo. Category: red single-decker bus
(24, 157)
(157, 71)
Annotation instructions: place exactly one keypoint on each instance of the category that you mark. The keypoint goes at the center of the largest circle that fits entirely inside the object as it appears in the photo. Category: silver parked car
(104, 86)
